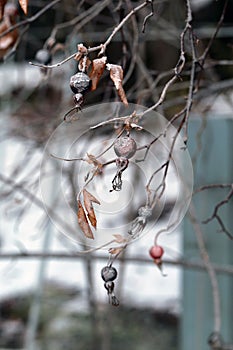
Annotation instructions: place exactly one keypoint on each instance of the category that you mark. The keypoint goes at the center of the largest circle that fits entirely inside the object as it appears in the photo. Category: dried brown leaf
(78, 56)
(83, 223)
(2, 6)
(119, 238)
(98, 66)
(92, 160)
(84, 63)
(8, 40)
(114, 251)
(82, 50)
(88, 199)
(116, 74)
(24, 6)
(90, 196)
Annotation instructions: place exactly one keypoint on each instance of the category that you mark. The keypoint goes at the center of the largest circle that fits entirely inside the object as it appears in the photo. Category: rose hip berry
(156, 252)
(43, 56)
(80, 83)
(125, 146)
(109, 273)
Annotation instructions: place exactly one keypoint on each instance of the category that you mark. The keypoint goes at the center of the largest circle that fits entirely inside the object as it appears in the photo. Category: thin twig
(148, 146)
(213, 186)
(207, 49)
(83, 17)
(216, 216)
(54, 65)
(101, 47)
(222, 269)
(30, 19)
(67, 159)
(148, 16)
(180, 64)
(161, 98)
(209, 268)
(109, 121)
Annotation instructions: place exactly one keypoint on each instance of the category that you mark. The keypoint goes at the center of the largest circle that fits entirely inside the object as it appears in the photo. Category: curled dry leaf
(88, 199)
(83, 223)
(115, 251)
(2, 6)
(119, 238)
(84, 64)
(116, 74)
(78, 56)
(92, 160)
(82, 50)
(8, 40)
(98, 66)
(136, 126)
(24, 6)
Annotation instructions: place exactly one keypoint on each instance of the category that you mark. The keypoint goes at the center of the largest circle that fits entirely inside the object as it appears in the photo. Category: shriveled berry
(78, 99)
(80, 83)
(109, 286)
(43, 56)
(156, 252)
(115, 301)
(108, 273)
(125, 146)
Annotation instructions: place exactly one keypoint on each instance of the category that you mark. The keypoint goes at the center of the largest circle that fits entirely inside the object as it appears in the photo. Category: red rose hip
(156, 252)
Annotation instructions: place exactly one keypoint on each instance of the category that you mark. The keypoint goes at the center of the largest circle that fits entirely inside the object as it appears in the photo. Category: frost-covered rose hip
(125, 146)
(108, 273)
(43, 56)
(156, 252)
(80, 83)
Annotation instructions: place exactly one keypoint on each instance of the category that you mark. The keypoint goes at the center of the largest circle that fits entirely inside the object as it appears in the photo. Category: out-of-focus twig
(216, 215)
(30, 19)
(209, 268)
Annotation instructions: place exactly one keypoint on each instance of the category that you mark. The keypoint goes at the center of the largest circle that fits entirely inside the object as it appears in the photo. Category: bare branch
(101, 47)
(30, 19)
(148, 16)
(209, 268)
(216, 216)
(207, 49)
(228, 270)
